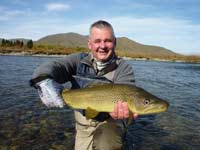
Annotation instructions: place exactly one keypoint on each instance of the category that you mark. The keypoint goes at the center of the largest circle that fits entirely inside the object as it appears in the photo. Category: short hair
(102, 24)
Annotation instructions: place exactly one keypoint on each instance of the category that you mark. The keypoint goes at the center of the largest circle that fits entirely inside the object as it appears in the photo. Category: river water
(26, 124)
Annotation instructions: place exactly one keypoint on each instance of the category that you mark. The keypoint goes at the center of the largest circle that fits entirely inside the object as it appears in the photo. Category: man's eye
(108, 40)
(97, 41)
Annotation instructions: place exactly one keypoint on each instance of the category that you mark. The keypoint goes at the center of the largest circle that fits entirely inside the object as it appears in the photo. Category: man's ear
(89, 44)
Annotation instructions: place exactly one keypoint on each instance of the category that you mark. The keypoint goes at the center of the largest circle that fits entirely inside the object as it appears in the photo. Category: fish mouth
(156, 108)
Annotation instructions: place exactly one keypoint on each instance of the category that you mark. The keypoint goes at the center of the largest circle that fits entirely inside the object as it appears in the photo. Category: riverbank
(124, 57)
(28, 54)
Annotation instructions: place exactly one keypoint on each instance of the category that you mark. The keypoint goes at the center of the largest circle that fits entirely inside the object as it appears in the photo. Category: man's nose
(102, 44)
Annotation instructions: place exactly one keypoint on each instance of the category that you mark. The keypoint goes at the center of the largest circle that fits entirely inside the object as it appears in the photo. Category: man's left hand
(121, 111)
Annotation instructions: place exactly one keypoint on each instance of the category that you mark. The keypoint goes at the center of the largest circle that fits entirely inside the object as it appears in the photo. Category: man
(106, 131)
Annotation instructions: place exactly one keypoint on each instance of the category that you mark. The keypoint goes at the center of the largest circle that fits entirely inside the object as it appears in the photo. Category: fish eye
(146, 102)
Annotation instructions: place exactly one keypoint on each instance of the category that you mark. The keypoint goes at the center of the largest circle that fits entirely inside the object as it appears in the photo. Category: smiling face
(102, 43)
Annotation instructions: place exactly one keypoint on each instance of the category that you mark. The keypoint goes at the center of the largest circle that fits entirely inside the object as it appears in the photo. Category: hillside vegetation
(67, 43)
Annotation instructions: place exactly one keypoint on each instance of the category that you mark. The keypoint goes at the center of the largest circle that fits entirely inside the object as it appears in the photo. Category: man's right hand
(50, 93)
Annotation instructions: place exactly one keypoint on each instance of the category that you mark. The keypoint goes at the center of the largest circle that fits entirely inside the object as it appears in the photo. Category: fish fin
(91, 113)
(130, 118)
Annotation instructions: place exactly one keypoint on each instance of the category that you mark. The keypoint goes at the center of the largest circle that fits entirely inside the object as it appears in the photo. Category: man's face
(101, 43)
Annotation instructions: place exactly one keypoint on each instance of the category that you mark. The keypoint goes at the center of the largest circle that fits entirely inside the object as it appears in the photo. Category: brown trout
(102, 98)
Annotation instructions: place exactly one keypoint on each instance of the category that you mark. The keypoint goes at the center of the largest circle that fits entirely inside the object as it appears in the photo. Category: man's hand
(121, 111)
(50, 93)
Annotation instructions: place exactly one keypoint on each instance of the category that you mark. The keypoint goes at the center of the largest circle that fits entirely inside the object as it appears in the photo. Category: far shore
(124, 57)
(28, 54)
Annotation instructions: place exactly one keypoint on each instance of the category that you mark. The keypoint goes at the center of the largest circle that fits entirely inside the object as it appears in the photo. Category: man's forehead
(101, 32)
(102, 29)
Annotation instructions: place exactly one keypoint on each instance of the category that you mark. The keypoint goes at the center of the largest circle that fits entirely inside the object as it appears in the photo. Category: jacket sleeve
(60, 70)
(124, 74)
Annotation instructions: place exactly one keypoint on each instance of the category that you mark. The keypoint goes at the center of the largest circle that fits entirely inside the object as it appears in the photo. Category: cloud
(7, 14)
(57, 7)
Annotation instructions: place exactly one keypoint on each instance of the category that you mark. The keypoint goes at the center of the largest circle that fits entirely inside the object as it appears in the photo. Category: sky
(172, 24)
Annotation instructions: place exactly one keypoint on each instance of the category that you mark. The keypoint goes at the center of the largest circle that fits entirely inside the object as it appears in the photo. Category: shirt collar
(111, 64)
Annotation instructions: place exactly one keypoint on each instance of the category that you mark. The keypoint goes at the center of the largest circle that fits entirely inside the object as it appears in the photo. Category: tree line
(16, 43)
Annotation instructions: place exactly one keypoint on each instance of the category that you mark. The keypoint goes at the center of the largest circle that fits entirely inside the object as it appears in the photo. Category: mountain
(123, 44)
(64, 39)
(126, 44)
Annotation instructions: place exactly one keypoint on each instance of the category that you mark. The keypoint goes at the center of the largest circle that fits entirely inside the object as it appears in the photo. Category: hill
(67, 43)
(124, 45)
(131, 46)
(64, 39)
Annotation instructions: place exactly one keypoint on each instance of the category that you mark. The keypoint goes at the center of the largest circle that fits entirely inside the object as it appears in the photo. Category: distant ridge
(123, 44)
(64, 39)
(126, 44)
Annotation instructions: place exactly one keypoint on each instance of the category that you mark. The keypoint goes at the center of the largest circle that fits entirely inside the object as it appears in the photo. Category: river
(25, 123)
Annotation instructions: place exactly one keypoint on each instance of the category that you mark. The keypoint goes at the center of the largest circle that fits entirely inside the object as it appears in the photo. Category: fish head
(144, 103)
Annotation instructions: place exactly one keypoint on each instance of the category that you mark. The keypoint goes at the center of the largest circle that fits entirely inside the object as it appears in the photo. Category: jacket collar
(89, 60)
